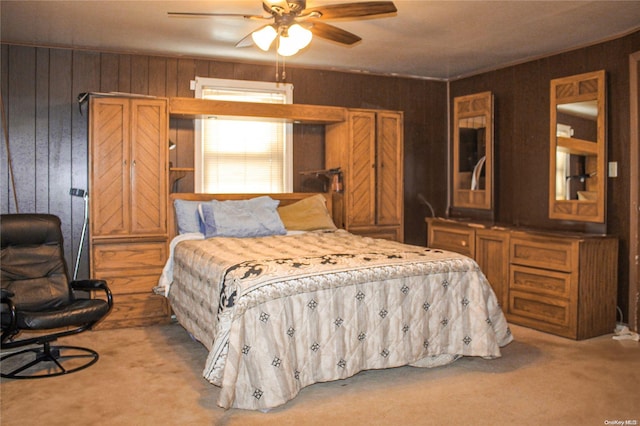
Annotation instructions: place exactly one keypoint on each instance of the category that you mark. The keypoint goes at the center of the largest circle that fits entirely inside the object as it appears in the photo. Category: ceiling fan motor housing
(277, 9)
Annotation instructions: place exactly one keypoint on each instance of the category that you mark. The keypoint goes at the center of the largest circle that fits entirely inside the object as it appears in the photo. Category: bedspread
(280, 313)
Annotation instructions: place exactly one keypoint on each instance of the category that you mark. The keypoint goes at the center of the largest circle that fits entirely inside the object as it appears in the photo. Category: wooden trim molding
(197, 108)
(634, 189)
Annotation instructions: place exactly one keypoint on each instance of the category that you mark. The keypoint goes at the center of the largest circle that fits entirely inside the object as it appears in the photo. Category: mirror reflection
(577, 155)
(576, 123)
(472, 133)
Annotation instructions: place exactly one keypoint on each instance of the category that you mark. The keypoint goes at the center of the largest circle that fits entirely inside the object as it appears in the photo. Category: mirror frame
(580, 88)
(475, 105)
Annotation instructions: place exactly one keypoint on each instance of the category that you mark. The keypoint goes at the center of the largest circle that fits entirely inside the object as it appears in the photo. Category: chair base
(48, 361)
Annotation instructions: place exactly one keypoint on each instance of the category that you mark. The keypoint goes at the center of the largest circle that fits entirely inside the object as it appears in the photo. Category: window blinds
(244, 155)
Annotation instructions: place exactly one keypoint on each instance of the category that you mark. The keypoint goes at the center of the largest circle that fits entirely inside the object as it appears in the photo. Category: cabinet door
(109, 166)
(389, 191)
(492, 255)
(149, 147)
(361, 177)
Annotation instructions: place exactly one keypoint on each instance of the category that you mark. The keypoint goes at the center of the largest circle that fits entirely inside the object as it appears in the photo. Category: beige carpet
(152, 376)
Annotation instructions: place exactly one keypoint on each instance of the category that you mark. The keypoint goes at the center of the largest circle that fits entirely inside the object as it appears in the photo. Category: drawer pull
(463, 243)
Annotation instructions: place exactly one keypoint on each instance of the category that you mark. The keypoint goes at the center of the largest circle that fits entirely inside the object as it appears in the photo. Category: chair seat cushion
(78, 312)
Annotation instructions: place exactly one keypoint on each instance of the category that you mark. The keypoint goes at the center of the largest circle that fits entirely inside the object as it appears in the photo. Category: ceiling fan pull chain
(284, 70)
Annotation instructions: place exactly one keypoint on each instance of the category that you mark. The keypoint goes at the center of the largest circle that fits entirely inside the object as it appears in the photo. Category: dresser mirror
(473, 151)
(577, 174)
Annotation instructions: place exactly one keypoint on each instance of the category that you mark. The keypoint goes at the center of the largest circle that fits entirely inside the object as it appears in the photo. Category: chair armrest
(89, 285)
(8, 309)
(6, 294)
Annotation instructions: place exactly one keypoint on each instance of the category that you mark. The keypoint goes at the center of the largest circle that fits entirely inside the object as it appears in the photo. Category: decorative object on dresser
(128, 179)
(561, 283)
(368, 148)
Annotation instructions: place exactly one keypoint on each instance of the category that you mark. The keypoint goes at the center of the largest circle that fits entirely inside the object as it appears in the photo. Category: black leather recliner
(37, 296)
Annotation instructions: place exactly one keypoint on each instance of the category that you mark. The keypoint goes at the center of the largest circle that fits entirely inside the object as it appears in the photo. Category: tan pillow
(309, 214)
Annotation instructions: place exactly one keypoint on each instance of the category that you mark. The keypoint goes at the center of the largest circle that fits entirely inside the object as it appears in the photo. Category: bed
(309, 303)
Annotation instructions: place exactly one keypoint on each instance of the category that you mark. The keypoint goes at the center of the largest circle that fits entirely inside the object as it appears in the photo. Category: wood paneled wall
(522, 139)
(48, 130)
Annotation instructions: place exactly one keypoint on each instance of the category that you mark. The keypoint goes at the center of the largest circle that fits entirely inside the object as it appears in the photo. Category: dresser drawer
(539, 281)
(460, 240)
(544, 253)
(120, 259)
(131, 283)
(137, 310)
(539, 310)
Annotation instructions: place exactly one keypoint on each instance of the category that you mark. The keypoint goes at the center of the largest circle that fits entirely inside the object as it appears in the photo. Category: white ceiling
(429, 39)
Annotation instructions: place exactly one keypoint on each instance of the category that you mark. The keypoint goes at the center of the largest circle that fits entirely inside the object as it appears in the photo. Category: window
(243, 155)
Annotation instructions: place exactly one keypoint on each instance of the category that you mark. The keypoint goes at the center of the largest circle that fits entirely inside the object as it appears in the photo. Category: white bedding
(166, 278)
(282, 312)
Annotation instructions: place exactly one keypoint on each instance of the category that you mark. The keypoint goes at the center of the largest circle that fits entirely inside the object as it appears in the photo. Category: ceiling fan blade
(247, 41)
(352, 10)
(332, 33)
(209, 15)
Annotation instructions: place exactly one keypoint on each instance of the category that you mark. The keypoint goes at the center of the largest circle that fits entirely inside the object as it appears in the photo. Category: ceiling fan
(294, 24)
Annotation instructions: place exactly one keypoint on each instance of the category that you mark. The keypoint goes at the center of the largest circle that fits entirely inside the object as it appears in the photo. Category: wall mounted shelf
(190, 108)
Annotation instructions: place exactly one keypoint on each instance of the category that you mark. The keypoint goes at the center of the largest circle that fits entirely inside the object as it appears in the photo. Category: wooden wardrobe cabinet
(561, 283)
(368, 148)
(128, 178)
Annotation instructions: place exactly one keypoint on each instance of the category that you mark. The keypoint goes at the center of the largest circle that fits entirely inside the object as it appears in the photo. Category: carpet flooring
(152, 376)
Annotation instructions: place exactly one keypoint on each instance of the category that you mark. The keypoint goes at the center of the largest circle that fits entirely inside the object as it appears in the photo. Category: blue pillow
(257, 217)
(187, 216)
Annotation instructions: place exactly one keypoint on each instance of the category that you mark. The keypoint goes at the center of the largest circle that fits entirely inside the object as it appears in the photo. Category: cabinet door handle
(133, 163)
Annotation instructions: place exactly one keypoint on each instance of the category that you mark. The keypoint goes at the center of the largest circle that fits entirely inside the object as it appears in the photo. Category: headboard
(285, 199)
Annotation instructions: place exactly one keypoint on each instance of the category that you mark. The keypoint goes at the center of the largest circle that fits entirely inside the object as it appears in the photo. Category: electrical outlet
(613, 169)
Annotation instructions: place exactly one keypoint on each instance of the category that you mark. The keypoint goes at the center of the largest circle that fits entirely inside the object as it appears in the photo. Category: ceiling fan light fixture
(263, 38)
(287, 46)
(300, 35)
(292, 39)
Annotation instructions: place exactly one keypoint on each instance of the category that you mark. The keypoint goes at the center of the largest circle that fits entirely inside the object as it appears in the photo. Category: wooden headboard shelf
(197, 108)
(285, 199)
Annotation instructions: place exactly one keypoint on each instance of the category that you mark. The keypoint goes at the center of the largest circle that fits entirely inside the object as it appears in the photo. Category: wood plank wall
(522, 139)
(48, 130)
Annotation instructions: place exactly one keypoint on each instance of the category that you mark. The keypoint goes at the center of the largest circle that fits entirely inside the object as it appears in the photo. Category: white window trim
(285, 88)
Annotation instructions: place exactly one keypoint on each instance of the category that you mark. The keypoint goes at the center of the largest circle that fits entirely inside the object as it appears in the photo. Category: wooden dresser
(128, 176)
(561, 283)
